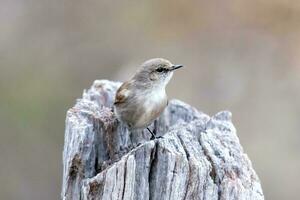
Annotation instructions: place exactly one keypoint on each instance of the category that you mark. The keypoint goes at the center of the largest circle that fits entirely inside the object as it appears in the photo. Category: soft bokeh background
(239, 55)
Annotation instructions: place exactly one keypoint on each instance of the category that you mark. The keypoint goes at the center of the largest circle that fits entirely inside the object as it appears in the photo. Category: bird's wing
(122, 93)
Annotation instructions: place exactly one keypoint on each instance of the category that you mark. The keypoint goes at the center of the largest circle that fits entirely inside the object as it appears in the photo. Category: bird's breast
(153, 105)
(153, 99)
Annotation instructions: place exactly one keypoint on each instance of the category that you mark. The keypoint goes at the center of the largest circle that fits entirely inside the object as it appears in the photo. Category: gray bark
(199, 157)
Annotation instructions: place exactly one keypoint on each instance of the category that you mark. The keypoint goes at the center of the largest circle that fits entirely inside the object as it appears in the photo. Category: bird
(141, 99)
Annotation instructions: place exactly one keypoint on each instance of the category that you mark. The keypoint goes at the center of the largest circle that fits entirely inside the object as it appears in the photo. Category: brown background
(239, 55)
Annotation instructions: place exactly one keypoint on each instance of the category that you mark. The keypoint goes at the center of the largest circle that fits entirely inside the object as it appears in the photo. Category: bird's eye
(160, 69)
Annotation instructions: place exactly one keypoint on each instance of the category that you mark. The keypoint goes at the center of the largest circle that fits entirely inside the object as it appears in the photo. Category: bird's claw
(156, 137)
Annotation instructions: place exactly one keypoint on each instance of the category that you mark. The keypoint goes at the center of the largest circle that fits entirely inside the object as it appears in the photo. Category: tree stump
(199, 157)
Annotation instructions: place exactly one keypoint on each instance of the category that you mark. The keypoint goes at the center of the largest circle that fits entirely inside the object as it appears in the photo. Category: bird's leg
(155, 129)
(153, 135)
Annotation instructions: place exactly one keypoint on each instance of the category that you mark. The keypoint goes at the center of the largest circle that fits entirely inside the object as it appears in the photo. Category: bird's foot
(156, 137)
(153, 135)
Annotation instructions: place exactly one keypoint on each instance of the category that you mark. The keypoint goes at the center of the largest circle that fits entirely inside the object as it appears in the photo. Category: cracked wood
(199, 157)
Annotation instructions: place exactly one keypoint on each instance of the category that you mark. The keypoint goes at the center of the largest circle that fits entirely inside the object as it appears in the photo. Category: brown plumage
(142, 99)
(121, 93)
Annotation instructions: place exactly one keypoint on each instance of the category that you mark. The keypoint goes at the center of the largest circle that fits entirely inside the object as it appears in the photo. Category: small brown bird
(143, 98)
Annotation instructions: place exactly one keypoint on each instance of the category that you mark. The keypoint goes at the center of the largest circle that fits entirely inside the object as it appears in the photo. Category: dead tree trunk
(199, 157)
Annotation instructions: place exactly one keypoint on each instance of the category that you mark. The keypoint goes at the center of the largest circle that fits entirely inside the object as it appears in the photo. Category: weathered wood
(199, 157)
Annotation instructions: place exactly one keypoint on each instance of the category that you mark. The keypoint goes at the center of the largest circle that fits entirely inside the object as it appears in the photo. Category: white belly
(154, 104)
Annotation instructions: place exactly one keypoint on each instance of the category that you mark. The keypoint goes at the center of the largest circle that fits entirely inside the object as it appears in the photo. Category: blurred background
(243, 56)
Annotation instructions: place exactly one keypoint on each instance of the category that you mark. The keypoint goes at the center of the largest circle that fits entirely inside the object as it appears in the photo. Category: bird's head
(156, 72)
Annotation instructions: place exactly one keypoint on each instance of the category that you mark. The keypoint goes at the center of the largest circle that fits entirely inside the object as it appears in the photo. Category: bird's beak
(174, 67)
